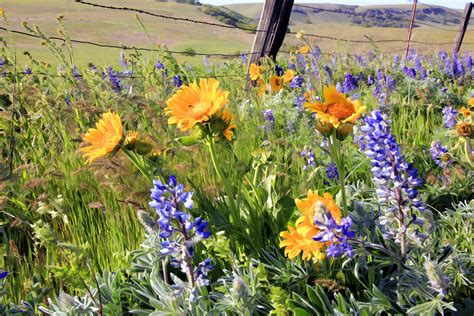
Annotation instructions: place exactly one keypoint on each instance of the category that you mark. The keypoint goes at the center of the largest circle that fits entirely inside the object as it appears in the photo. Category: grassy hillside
(121, 27)
(435, 24)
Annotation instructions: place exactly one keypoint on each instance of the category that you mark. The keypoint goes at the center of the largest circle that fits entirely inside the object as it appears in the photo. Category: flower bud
(464, 129)
(344, 130)
(324, 128)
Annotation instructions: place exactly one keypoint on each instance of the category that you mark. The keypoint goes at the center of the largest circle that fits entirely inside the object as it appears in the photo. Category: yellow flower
(465, 111)
(105, 138)
(228, 119)
(308, 95)
(471, 102)
(465, 129)
(288, 75)
(337, 108)
(195, 103)
(276, 83)
(304, 49)
(308, 204)
(295, 244)
(262, 88)
(131, 137)
(300, 34)
(299, 239)
(254, 72)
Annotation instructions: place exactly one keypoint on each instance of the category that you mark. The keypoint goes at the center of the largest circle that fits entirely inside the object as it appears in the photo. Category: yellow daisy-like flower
(465, 111)
(295, 244)
(304, 49)
(105, 138)
(288, 75)
(131, 138)
(337, 108)
(262, 88)
(276, 83)
(195, 103)
(471, 102)
(228, 119)
(300, 238)
(254, 72)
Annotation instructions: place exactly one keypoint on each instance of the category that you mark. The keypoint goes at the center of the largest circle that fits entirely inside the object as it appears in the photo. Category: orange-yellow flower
(131, 138)
(295, 244)
(465, 111)
(276, 83)
(254, 72)
(288, 75)
(195, 103)
(337, 108)
(105, 138)
(304, 49)
(262, 88)
(471, 102)
(300, 237)
(228, 118)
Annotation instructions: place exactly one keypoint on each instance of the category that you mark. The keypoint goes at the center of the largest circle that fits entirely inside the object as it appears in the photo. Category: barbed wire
(125, 47)
(257, 30)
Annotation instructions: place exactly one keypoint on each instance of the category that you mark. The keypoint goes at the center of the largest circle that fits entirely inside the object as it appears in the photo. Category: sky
(458, 4)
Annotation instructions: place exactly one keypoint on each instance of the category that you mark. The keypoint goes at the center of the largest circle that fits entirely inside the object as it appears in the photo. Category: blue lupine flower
(279, 71)
(449, 116)
(177, 81)
(395, 179)
(337, 234)
(410, 72)
(396, 61)
(307, 153)
(159, 65)
(179, 231)
(297, 82)
(75, 72)
(370, 80)
(439, 153)
(317, 51)
(329, 71)
(2, 62)
(114, 79)
(331, 171)
(350, 83)
(468, 61)
(67, 100)
(299, 102)
(3, 274)
(269, 120)
(27, 70)
(243, 58)
(339, 87)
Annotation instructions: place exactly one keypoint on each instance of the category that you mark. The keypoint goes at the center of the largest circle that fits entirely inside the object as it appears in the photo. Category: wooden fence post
(410, 30)
(462, 28)
(271, 29)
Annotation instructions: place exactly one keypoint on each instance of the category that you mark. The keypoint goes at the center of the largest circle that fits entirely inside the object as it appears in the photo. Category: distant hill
(396, 16)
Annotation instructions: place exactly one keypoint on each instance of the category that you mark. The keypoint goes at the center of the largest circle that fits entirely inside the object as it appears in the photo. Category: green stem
(233, 206)
(336, 156)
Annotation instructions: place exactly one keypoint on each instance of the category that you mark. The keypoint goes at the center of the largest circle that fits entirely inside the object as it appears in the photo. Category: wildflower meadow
(313, 184)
